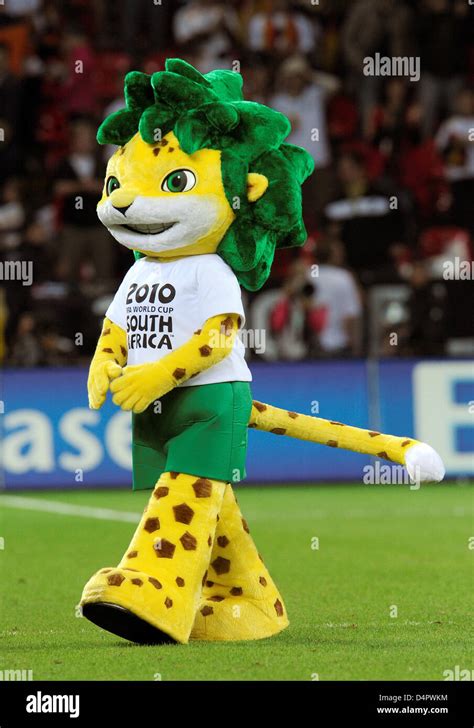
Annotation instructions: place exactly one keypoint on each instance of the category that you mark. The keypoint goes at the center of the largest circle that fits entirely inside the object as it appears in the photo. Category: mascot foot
(239, 600)
(155, 590)
(122, 622)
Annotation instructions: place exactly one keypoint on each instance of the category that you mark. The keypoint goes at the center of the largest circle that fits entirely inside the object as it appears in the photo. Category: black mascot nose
(123, 210)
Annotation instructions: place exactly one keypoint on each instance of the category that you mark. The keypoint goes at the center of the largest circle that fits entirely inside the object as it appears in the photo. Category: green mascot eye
(112, 184)
(181, 180)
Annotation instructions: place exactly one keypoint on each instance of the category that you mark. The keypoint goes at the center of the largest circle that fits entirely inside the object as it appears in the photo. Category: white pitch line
(67, 509)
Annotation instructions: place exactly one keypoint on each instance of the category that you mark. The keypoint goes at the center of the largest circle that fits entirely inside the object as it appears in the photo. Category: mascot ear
(256, 186)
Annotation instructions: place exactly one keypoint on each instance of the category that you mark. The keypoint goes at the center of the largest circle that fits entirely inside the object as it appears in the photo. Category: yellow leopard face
(165, 203)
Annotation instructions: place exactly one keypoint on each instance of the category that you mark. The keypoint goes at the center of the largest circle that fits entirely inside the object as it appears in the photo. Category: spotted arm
(142, 384)
(109, 358)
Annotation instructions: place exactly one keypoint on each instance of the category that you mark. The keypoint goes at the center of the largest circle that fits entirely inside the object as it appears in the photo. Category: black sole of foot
(122, 622)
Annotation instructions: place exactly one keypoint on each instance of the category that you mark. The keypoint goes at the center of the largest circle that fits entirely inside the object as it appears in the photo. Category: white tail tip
(424, 465)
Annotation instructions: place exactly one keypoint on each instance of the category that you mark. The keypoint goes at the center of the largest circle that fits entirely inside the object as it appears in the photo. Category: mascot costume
(203, 188)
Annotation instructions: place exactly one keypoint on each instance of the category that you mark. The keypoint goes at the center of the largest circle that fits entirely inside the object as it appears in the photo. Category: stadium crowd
(390, 201)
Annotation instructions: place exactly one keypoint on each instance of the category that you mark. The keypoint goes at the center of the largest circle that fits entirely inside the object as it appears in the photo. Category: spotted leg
(240, 600)
(153, 594)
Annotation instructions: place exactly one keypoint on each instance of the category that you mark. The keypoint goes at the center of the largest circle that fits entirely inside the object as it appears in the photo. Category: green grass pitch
(382, 550)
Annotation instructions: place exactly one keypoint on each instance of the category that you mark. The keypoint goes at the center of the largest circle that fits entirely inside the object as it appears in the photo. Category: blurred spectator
(303, 100)
(280, 30)
(427, 314)
(12, 215)
(26, 348)
(418, 168)
(79, 182)
(143, 20)
(297, 319)
(206, 29)
(368, 219)
(374, 26)
(455, 139)
(79, 90)
(14, 29)
(10, 89)
(37, 247)
(443, 33)
(337, 293)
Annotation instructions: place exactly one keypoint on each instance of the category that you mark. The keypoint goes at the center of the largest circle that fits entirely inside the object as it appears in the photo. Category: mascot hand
(140, 385)
(100, 375)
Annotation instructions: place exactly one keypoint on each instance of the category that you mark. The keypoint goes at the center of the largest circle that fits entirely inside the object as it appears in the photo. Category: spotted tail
(422, 462)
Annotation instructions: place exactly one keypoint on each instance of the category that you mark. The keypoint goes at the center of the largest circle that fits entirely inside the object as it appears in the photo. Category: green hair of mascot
(207, 111)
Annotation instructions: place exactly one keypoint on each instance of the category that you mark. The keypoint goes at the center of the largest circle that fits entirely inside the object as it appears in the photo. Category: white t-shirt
(309, 108)
(337, 291)
(161, 304)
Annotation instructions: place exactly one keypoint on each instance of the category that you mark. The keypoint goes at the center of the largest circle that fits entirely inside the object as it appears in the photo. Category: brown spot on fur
(161, 492)
(170, 149)
(278, 608)
(115, 579)
(179, 373)
(132, 554)
(156, 151)
(180, 581)
(227, 325)
(236, 591)
(204, 578)
(263, 581)
(122, 150)
(223, 541)
(202, 488)
(152, 525)
(406, 442)
(259, 406)
(221, 565)
(168, 603)
(164, 549)
(339, 424)
(123, 350)
(209, 583)
(215, 599)
(108, 350)
(293, 415)
(157, 584)
(245, 525)
(206, 611)
(188, 541)
(105, 332)
(278, 430)
(197, 332)
(183, 513)
(205, 350)
(105, 571)
(383, 455)
(332, 443)
(137, 582)
(173, 474)
(209, 541)
(374, 434)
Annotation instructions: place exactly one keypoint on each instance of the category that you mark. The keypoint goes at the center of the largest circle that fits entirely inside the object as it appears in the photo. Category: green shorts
(200, 430)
